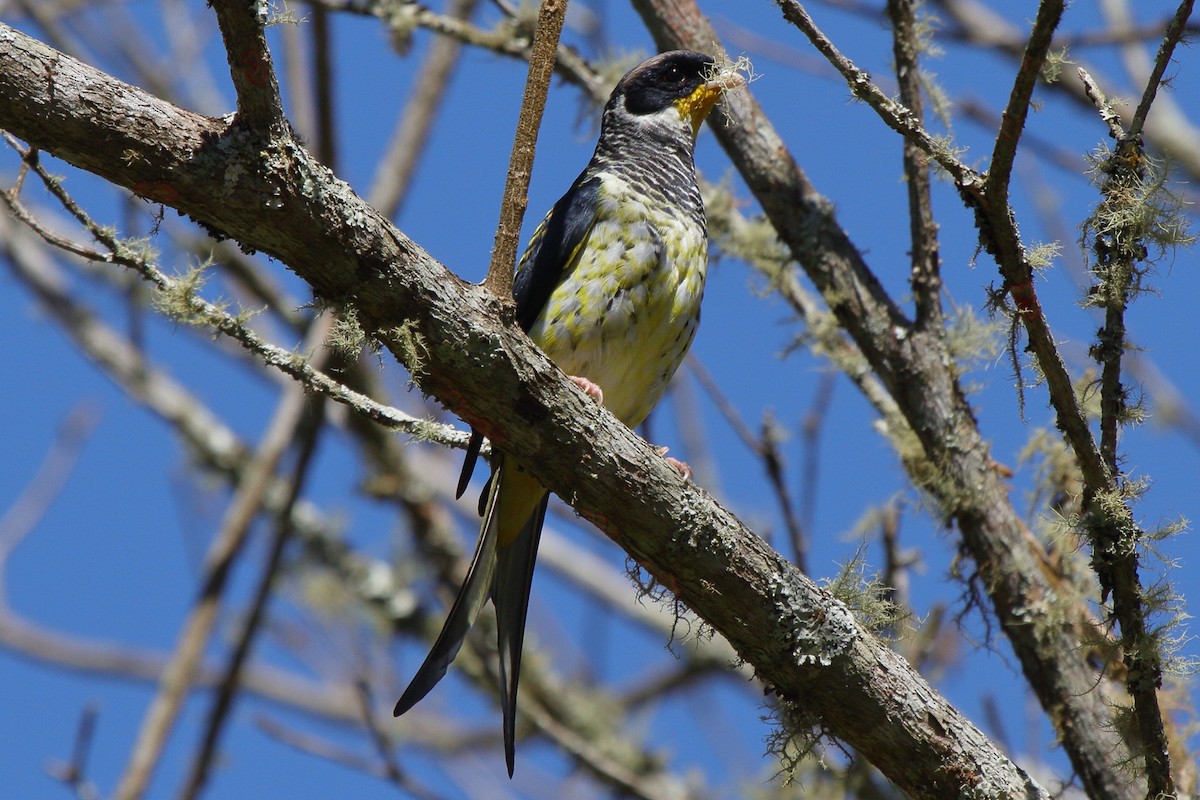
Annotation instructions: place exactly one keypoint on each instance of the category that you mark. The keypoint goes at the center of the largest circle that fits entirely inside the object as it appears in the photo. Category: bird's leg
(592, 390)
(680, 466)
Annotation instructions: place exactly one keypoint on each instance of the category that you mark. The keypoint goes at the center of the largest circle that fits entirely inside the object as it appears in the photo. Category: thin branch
(323, 748)
(520, 166)
(326, 145)
(768, 449)
(1171, 38)
(925, 278)
(259, 105)
(47, 481)
(978, 111)
(597, 578)
(197, 629)
(597, 759)
(306, 434)
(503, 40)
(651, 692)
(1172, 408)
(403, 152)
(1119, 237)
(895, 115)
(1012, 121)
(1105, 109)
(204, 313)
(383, 748)
(74, 772)
(296, 75)
(811, 427)
(723, 404)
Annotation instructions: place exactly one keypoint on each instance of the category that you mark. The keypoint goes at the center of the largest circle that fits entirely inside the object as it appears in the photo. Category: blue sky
(116, 555)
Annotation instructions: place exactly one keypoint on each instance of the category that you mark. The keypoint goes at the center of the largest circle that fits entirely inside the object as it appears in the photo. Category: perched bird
(610, 289)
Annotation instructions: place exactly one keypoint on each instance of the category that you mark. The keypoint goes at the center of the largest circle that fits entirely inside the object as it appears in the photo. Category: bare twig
(1012, 122)
(295, 72)
(569, 65)
(677, 679)
(896, 561)
(46, 482)
(768, 450)
(306, 433)
(196, 630)
(520, 166)
(646, 784)
(925, 278)
(74, 772)
(399, 162)
(390, 767)
(897, 116)
(326, 749)
(724, 405)
(260, 107)
(1171, 38)
(811, 427)
(1172, 408)
(326, 145)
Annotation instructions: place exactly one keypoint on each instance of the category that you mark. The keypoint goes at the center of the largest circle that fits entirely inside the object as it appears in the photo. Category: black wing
(551, 249)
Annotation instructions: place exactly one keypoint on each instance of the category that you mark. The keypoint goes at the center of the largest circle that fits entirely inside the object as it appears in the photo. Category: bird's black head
(666, 98)
(659, 82)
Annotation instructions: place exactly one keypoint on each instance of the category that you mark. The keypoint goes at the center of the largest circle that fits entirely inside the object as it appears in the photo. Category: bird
(609, 287)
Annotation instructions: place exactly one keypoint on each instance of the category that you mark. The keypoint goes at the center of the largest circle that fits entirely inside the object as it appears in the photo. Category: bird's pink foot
(680, 466)
(592, 390)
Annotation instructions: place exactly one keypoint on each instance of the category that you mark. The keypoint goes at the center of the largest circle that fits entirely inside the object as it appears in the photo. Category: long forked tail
(510, 594)
(467, 604)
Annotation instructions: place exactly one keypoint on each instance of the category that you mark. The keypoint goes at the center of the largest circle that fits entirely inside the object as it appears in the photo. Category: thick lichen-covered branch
(1136, 221)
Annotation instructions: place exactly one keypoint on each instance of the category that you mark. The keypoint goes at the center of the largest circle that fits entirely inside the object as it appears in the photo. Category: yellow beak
(697, 104)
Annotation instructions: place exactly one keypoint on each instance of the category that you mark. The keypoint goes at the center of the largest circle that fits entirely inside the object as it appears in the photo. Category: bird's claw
(592, 390)
(680, 466)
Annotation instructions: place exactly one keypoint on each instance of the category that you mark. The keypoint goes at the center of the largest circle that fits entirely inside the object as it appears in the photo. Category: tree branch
(499, 279)
(307, 429)
(1012, 121)
(241, 22)
(194, 635)
(1120, 232)
(399, 162)
(925, 278)
(913, 366)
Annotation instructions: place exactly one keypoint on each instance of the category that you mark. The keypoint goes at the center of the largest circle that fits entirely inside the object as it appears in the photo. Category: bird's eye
(674, 75)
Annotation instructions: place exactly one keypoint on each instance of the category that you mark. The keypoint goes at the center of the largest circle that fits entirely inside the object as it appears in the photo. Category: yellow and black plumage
(610, 289)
